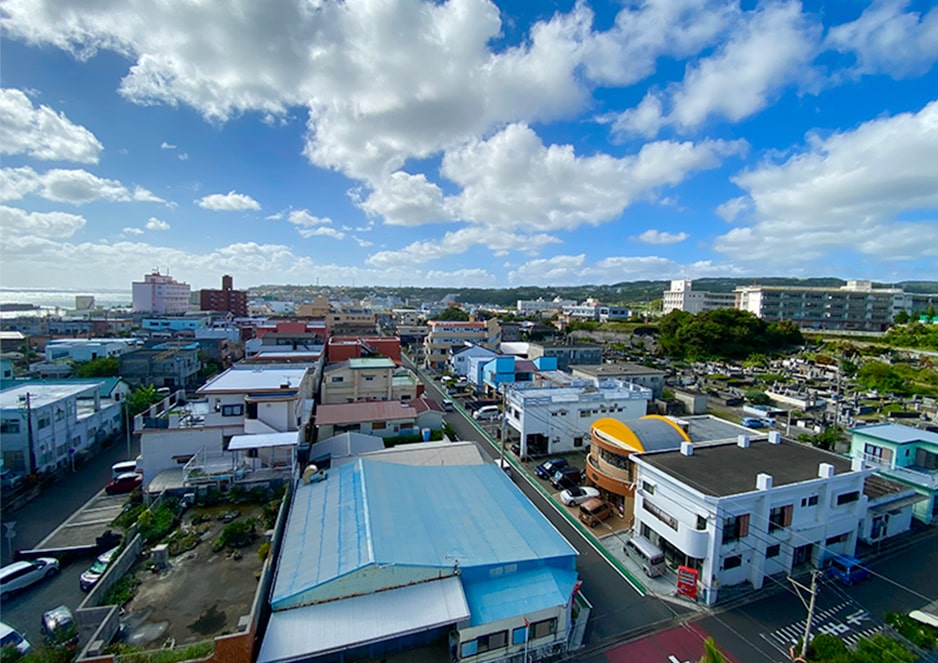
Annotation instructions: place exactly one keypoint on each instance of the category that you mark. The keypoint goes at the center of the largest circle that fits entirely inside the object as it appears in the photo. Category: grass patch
(129, 654)
(122, 591)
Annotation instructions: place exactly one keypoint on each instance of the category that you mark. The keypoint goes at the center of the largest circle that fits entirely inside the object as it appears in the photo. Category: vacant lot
(201, 594)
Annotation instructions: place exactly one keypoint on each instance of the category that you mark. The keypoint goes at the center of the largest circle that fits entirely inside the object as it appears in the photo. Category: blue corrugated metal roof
(896, 433)
(513, 594)
(368, 513)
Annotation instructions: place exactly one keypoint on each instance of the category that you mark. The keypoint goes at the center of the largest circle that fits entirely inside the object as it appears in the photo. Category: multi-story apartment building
(903, 454)
(44, 425)
(741, 512)
(352, 322)
(682, 297)
(319, 308)
(856, 305)
(542, 307)
(551, 420)
(368, 379)
(567, 355)
(227, 299)
(160, 293)
(444, 335)
(170, 366)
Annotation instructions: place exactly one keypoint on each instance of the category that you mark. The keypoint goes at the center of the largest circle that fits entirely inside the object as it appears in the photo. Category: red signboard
(687, 582)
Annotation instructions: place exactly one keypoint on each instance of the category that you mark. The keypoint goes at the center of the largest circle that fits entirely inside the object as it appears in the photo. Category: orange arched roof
(630, 437)
(616, 431)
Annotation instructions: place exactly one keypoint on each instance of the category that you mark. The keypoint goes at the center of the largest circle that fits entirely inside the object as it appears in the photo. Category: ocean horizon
(50, 299)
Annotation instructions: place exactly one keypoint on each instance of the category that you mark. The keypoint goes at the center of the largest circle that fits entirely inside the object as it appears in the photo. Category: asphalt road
(617, 607)
(38, 519)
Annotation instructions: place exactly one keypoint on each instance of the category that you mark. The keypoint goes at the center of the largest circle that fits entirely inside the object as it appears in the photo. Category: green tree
(757, 397)
(141, 398)
(882, 377)
(901, 318)
(848, 368)
(453, 314)
(99, 367)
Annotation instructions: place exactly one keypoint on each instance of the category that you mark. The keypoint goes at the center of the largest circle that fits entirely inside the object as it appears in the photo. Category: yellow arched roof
(619, 432)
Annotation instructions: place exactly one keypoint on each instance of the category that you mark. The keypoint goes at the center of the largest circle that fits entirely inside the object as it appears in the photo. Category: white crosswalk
(845, 620)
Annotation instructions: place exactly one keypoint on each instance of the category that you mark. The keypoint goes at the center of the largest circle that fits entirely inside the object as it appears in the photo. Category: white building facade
(682, 297)
(551, 420)
(43, 426)
(745, 511)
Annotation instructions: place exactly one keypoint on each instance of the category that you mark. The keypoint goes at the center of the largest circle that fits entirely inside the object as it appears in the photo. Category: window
(667, 519)
(773, 551)
(491, 641)
(543, 628)
(9, 426)
(840, 538)
(518, 635)
(584, 414)
(578, 441)
(847, 498)
(780, 517)
(44, 420)
(648, 487)
(735, 527)
(232, 410)
(379, 425)
(369, 378)
(337, 379)
(732, 562)
(701, 522)
(809, 501)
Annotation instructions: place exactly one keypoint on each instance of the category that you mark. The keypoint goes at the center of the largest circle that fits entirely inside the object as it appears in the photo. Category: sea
(59, 301)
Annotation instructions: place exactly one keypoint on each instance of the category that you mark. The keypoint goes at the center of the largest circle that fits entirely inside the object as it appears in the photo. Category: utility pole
(29, 435)
(810, 606)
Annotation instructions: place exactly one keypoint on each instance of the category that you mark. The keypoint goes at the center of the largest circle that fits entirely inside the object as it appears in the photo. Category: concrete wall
(114, 572)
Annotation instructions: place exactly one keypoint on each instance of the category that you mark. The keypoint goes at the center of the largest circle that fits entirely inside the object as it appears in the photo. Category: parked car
(448, 405)
(487, 413)
(10, 637)
(20, 575)
(90, 577)
(752, 422)
(846, 569)
(546, 469)
(59, 628)
(594, 511)
(574, 496)
(10, 480)
(124, 483)
(566, 477)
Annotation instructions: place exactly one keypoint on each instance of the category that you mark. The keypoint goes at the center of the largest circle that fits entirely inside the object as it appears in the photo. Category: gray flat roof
(705, 428)
(614, 369)
(728, 469)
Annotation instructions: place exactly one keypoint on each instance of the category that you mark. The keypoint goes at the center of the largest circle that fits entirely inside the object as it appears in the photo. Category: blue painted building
(380, 557)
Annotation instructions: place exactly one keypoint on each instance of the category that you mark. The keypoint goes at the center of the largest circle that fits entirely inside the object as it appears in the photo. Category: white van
(486, 413)
(647, 554)
(123, 467)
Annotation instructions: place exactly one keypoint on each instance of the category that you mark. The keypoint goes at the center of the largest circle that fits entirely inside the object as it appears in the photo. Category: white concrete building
(86, 349)
(738, 512)
(551, 420)
(529, 307)
(160, 293)
(44, 425)
(682, 297)
(246, 399)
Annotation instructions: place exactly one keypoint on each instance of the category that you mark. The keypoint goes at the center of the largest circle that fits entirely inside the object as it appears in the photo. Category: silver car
(20, 575)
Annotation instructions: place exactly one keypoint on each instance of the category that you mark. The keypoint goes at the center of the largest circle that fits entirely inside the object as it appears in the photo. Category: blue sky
(466, 143)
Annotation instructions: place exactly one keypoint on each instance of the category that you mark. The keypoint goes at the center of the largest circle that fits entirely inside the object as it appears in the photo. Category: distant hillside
(625, 293)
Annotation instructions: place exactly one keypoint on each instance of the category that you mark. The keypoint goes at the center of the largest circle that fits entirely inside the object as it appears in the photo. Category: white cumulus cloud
(228, 202)
(652, 236)
(42, 224)
(157, 224)
(42, 133)
(848, 191)
(69, 186)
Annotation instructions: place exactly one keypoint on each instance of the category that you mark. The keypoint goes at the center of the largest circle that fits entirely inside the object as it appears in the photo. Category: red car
(123, 483)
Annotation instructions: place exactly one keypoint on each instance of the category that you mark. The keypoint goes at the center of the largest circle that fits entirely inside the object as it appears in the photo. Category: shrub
(238, 534)
(122, 591)
(263, 550)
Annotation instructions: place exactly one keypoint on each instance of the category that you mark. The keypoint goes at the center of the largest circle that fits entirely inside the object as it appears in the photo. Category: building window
(701, 523)
(667, 519)
(578, 441)
(732, 562)
(847, 498)
(232, 410)
(492, 641)
(9, 426)
(584, 414)
(369, 378)
(773, 550)
(337, 379)
(840, 538)
(379, 425)
(648, 487)
(543, 628)
(809, 501)
(780, 517)
(519, 635)
(735, 527)
(43, 421)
